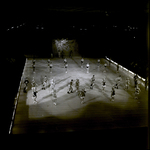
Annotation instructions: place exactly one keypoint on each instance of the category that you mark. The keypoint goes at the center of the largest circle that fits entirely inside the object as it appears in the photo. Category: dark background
(100, 39)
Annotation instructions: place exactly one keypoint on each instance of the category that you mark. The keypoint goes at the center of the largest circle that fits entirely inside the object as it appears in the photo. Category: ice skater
(82, 61)
(34, 96)
(34, 85)
(81, 95)
(26, 82)
(33, 62)
(117, 68)
(70, 90)
(92, 82)
(48, 62)
(44, 83)
(66, 66)
(98, 62)
(127, 83)
(137, 92)
(87, 67)
(50, 66)
(77, 85)
(105, 65)
(52, 86)
(65, 61)
(135, 80)
(112, 93)
(54, 97)
(33, 66)
(118, 80)
(103, 84)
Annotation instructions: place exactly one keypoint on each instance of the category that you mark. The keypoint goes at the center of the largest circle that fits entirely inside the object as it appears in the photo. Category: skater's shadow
(97, 87)
(47, 96)
(62, 87)
(90, 100)
(69, 98)
(62, 80)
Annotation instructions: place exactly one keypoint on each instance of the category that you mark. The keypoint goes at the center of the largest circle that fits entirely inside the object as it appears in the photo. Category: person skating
(87, 67)
(34, 85)
(81, 95)
(137, 92)
(92, 82)
(51, 65)
(52, 86)
(26, 82)
(112, 93)
(98, 62)
(44, 83)
(77, 85)
(117, 68)
(118, 80)
(105, 65)
(135, 80)
(127, 82)
(70, 90)
(33, 62)
(103, 84)
(33, 66)
(82, 61)
(54, 97)
(34, 96)
(66, 66)
(65, 61)
(48, 62)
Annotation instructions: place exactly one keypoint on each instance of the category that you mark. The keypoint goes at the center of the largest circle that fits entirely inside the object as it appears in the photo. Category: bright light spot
(7, 29)
(42, 27)
(134, 37)
(17, 26)
(80, 28)
(20, 25)
(12, 27)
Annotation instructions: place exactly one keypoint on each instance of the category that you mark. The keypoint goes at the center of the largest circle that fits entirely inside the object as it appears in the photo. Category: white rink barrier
(132, 73)
(16, 100)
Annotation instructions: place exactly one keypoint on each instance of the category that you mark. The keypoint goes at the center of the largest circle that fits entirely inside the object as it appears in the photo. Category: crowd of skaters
(81, 93)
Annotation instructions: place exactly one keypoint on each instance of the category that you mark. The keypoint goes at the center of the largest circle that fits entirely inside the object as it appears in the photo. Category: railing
(126, 70)
(16, 100)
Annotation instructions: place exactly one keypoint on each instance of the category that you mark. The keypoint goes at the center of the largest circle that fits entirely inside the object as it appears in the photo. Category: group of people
(81, 93)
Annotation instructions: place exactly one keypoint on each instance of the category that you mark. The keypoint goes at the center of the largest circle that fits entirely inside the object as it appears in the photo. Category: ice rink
(97, 112)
